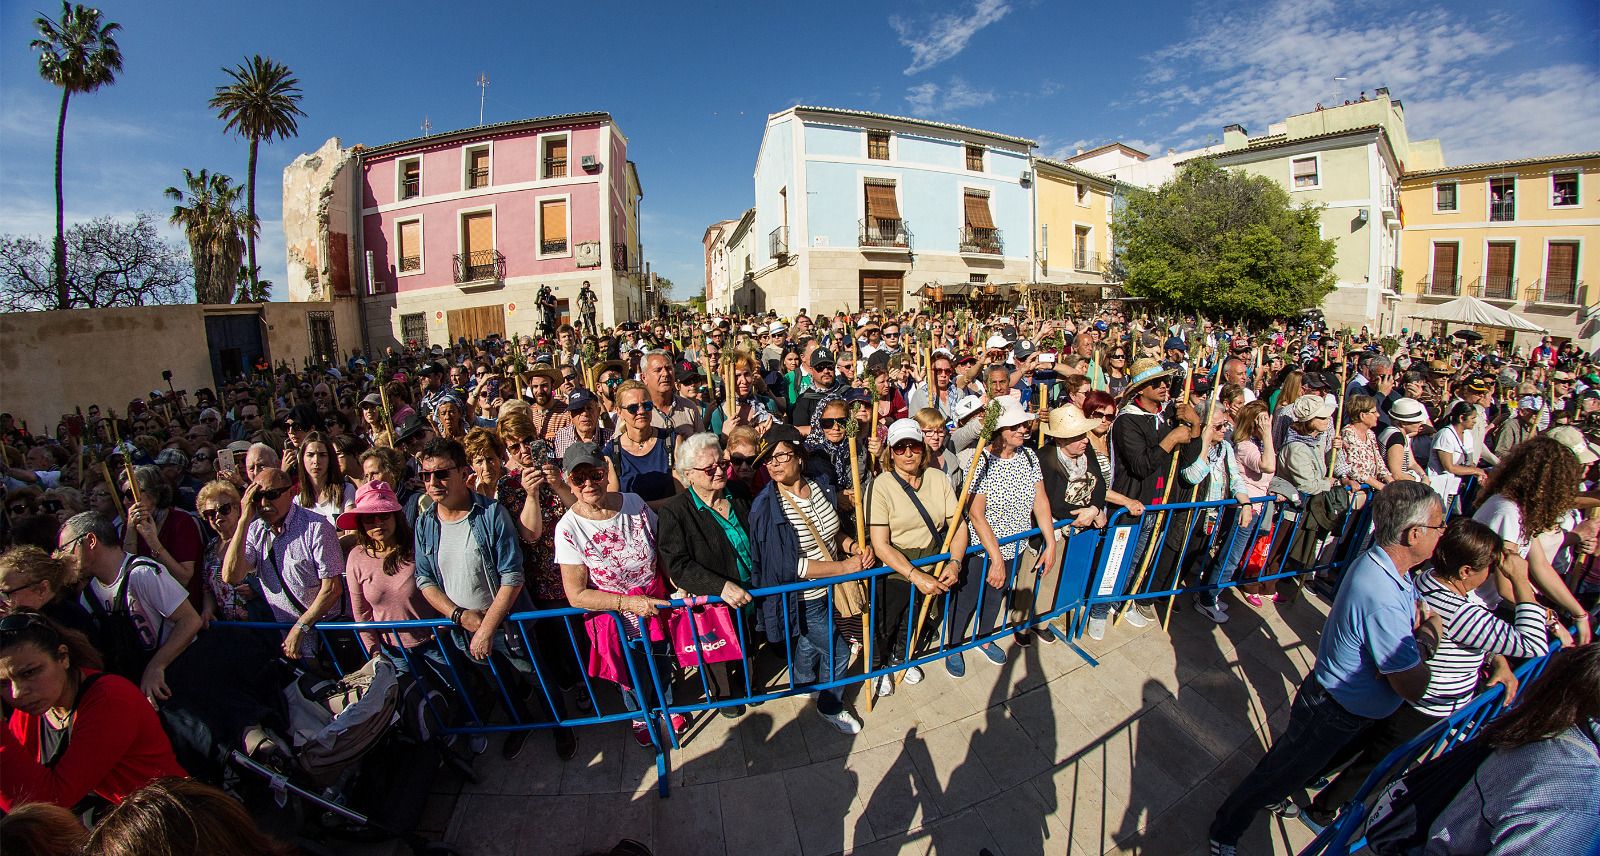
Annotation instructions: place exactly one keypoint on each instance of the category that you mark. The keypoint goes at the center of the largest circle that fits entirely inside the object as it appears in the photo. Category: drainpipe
(1033, 218)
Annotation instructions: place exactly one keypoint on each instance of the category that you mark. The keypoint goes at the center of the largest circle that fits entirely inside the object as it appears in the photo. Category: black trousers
(1364, 754)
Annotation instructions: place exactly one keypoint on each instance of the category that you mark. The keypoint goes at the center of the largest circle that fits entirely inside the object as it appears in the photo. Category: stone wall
(320, 214)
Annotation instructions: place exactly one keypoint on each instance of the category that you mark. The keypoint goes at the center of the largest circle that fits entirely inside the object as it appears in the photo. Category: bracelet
(455, 616)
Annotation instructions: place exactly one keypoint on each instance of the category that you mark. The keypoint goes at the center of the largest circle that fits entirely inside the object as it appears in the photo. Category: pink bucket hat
(374, 497)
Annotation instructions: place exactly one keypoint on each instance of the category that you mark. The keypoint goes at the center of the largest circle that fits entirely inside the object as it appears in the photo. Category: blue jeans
(659, 658)
(811, 654)
(1236, 542)
(1319, 727)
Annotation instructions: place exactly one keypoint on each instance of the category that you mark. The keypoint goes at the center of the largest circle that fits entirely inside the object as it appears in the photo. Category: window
(408, 249)
(1563, 189)
(980, 234)
(478, 257)
(878, 145)
(410, 178)
(1502, 199)
(414, 329)
(1444, 196)
(882, 226)
(552, 226)
(477, 167)
(977, 278)
(555, 158)
(975, 158)
(1082, 258)
(1445, 277)
(1304, 173)
(1561, 273)
(1083, 194)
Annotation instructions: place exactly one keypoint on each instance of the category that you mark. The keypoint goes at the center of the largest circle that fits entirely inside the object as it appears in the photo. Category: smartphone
(542, 450)
(226, 462)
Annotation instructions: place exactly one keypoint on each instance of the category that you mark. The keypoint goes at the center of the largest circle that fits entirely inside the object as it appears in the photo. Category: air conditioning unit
(1026, 177)
(589, 162)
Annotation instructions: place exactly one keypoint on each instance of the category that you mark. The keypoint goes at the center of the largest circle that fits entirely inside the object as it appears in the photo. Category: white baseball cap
(997, 341)
(968, 406)
(902, 430)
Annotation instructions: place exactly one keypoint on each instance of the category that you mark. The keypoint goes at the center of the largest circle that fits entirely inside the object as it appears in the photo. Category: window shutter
(1444, 264)
(1305, 168)
(553, 220)
(480, 159)
(978, 212)
(881, 202)
(410, 240)
(480, 232)
(558, 149)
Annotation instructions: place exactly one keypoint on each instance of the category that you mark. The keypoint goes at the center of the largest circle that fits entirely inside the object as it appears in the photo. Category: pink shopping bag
(712, 633)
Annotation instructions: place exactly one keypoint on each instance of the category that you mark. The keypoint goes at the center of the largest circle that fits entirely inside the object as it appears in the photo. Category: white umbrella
(1471, 310)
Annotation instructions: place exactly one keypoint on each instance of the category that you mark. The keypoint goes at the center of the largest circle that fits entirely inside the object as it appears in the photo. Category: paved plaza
(1043, 755)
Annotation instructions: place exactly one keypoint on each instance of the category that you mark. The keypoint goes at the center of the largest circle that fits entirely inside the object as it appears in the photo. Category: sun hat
(1069, 421)
(1407, 411)
(968, 406)
(776, 327)
(1143, 371)
(1308, 407)
(902, 430)
(1575, 442)
(1012, 413)
(374, 497)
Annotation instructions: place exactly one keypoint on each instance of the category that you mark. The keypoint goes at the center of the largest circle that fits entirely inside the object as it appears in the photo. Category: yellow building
(1074, 216)
(1520, 234)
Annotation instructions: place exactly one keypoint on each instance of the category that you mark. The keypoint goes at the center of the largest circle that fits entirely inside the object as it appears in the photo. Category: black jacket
(695, 553)
(1141, 464)
(1055, 482)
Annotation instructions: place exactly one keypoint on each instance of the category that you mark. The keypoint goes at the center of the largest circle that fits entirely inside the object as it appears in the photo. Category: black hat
(431, 368)
(689, 376)
(779, 432)
(879, 361)
(579, 399)
(822, 358)
(409, 427)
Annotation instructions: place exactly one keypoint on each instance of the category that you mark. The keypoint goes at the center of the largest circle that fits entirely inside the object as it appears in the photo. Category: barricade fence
(568, 667)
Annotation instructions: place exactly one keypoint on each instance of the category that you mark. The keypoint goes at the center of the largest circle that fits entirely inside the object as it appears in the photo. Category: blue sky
(691, 84)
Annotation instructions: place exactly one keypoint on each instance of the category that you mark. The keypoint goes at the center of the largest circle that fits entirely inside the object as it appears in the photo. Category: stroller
(344, 769)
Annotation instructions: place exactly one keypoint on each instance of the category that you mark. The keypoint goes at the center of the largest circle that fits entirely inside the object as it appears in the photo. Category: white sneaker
(1214, 613)
(1136, 615)
(1222, 849)
(1097, 628)
(885, 686)
(1222, 602)
(912, 675)
(843, 721)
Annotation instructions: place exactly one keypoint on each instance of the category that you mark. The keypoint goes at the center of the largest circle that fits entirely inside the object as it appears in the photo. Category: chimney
(1234, 137)
(1382, 90)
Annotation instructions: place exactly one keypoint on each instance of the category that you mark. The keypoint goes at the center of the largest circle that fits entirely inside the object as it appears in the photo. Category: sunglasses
(440, 475)
(831, 422)
(217, 513)
(907, 446)
(20, 508)
(17, 622)
(1107, 415)
(741, 460)
(641, 407)
(586, 478)
(268, 495)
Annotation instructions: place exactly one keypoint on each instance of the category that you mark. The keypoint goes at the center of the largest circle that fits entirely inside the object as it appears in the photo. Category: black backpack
(1406, 809)
(116, 633)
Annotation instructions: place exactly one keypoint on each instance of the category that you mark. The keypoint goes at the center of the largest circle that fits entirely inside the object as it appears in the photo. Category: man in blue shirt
(1373, 656)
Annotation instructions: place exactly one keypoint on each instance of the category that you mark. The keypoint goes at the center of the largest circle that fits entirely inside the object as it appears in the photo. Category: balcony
(555, 167)
(1440, 286)
(884, 233)
(778, 242)
(985, 241)
(553, 247)
(1557, 291)
(410, 263)
(411, 188)
(477, 178)
(1086, 260)
(479, 267)
(619, 257)
(1501, 288)
(1389, 278)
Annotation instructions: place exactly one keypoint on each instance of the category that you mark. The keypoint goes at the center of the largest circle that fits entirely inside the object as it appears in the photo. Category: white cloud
(933, 42)
(1446, 67)
(930, 99)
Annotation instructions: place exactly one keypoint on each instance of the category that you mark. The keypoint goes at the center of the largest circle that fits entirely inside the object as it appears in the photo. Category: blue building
(862, 210)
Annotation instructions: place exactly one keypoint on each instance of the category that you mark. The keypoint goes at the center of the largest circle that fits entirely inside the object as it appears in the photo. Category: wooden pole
(1044, 412)
(1210, 415)
(127, 465)
(1338, 412)
(388, 418)
(1166, 495)
(861, 539)
(116, 495)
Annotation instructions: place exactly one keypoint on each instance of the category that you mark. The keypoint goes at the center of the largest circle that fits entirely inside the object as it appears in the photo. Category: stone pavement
(1042, 755)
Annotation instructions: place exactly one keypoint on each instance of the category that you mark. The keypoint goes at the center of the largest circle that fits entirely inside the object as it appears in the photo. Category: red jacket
(117, 747)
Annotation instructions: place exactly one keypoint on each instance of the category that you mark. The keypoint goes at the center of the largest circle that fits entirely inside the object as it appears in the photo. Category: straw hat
(1143, 371)
(1069, 421)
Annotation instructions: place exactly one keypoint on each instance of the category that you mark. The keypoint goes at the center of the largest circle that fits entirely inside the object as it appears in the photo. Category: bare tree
(109, 263)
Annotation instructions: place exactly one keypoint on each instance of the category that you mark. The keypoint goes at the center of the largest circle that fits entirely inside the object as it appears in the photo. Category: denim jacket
(494, 534)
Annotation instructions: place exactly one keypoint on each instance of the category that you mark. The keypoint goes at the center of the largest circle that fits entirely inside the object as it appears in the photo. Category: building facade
(1519, 234)
(455, 233)
(860, 210)
(1074, 212)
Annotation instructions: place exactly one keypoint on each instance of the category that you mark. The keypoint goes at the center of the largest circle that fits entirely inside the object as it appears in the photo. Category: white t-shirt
(620, 553)
(1505, 518)
(333, 510)
(1460, 444)
(153, 595)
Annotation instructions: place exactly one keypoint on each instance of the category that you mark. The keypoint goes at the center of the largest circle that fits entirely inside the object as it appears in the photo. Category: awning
(1478, 313)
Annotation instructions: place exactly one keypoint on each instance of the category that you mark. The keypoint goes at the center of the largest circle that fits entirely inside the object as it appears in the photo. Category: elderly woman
(218, 505)
(640, 454)
(706, 549)
(828, 451)
(797, 535)
(1359, 460)
(449, 417)
(1007, 499)
(31, 578)
(1075, 485)
(910, 510)
(486, 454)
(606, 547)
(746, 478)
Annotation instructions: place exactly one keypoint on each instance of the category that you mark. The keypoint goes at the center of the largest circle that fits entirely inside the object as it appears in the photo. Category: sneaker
(1135, 615)
(515, 740)
(732, 711)
(993, 652)
(1285, 809)
(1279, 598)
(912, 675)
(855, 652)
(843, 721)
(1056, 634)
(1222, 602)
(1218, 849)
(1318, 817)
(1218, 615)
(956, 665)
(641, 734)
(1320, 783)
(885, 687)
(566, 743)
(478, 743)
(1046, 634)
(1254, 600)
(1097, 628)
(680, 723)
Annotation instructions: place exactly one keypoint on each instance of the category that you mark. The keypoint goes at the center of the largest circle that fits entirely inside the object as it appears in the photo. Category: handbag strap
(916, 501)
(815, 535)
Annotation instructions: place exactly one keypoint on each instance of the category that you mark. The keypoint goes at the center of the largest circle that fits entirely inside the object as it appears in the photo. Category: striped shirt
(822, 516)
(1471, 633)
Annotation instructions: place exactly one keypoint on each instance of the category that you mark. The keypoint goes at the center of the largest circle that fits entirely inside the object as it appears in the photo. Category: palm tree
(79, 54)
(261, 103)
(215, 225)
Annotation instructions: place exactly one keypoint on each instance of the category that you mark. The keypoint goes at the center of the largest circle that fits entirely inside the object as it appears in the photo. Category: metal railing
(411, 188)
(1495, 287)
(410, 263)
(977, 240)
(1504, 211)
(884, 232)
(557, 246)
(478, 177)
(778, 242)
(1085, 260)
(480, 266)
(1435, 286)
(555, 167)
(1557, 292)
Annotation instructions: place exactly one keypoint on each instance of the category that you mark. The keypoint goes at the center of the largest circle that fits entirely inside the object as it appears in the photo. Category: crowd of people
(612, 470)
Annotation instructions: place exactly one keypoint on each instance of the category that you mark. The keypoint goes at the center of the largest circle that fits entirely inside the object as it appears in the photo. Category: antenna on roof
(483, 92)
(427, 127)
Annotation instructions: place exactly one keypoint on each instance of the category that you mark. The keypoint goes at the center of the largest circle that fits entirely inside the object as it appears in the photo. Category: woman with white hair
(705, 545)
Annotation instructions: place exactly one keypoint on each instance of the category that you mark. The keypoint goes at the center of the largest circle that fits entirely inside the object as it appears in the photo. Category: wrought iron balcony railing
(478, 177)
(410, 263)
(1502, 212)
(1557, 291)
(556, 246)
(1441, 286)
(411, 188)
(884, 232)
(1495, 287)
(1086, 260)
(480, 266)
(778, 242)
(555, 167)
(976, 240)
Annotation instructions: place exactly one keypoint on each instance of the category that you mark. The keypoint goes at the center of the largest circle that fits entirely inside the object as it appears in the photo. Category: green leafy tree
(1223, 243)
(262, 103)
(208, 210)
(78, 53)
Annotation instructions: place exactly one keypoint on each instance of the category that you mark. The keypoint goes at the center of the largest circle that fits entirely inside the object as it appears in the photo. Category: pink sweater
(377, 596)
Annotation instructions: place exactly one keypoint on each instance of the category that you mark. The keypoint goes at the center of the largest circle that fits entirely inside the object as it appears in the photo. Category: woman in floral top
(1359, 458)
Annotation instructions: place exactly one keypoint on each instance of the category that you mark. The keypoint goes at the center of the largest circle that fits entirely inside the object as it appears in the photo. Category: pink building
(455, 233)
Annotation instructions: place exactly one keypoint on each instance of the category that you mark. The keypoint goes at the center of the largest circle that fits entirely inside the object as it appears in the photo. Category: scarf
(838, 453)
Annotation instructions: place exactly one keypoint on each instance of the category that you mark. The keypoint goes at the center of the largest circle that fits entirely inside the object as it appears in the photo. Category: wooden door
(476, 322)
(1498, 270)
(882, 290)
(1443, 280)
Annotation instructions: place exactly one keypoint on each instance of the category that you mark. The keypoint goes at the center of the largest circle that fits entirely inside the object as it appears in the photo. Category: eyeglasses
(67, 547)
(5, 594)
(830, 422)
(268, 495)
(524, 443)
(641, 407)
(1439, 526)
(213, 514)
(779, 458)
(716, 468)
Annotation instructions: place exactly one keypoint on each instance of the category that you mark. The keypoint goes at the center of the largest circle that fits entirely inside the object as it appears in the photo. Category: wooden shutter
(410, 241)
(553, 220)
(1305, 171)
(558, 149)
(479, 232)
(977, 206)
(1444, 265)
(881, 202)
(413, 169)
(1501, 258)
(1561, 265)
